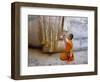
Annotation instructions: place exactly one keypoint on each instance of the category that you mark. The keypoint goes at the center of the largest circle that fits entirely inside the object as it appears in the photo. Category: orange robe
(67, 55)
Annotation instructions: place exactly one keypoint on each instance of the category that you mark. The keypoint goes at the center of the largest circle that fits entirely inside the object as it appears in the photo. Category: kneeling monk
(67, 55)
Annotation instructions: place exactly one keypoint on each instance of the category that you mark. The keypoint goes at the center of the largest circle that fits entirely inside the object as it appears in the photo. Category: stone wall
(78, 26)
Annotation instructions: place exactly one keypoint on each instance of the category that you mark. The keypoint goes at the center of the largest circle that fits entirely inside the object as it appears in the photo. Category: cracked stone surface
(37, 58)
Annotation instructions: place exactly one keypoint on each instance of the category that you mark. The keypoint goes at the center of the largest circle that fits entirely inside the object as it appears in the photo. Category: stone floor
(38, 58)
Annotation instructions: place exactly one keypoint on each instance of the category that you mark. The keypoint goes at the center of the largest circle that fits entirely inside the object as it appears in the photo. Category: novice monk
(67, 55)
